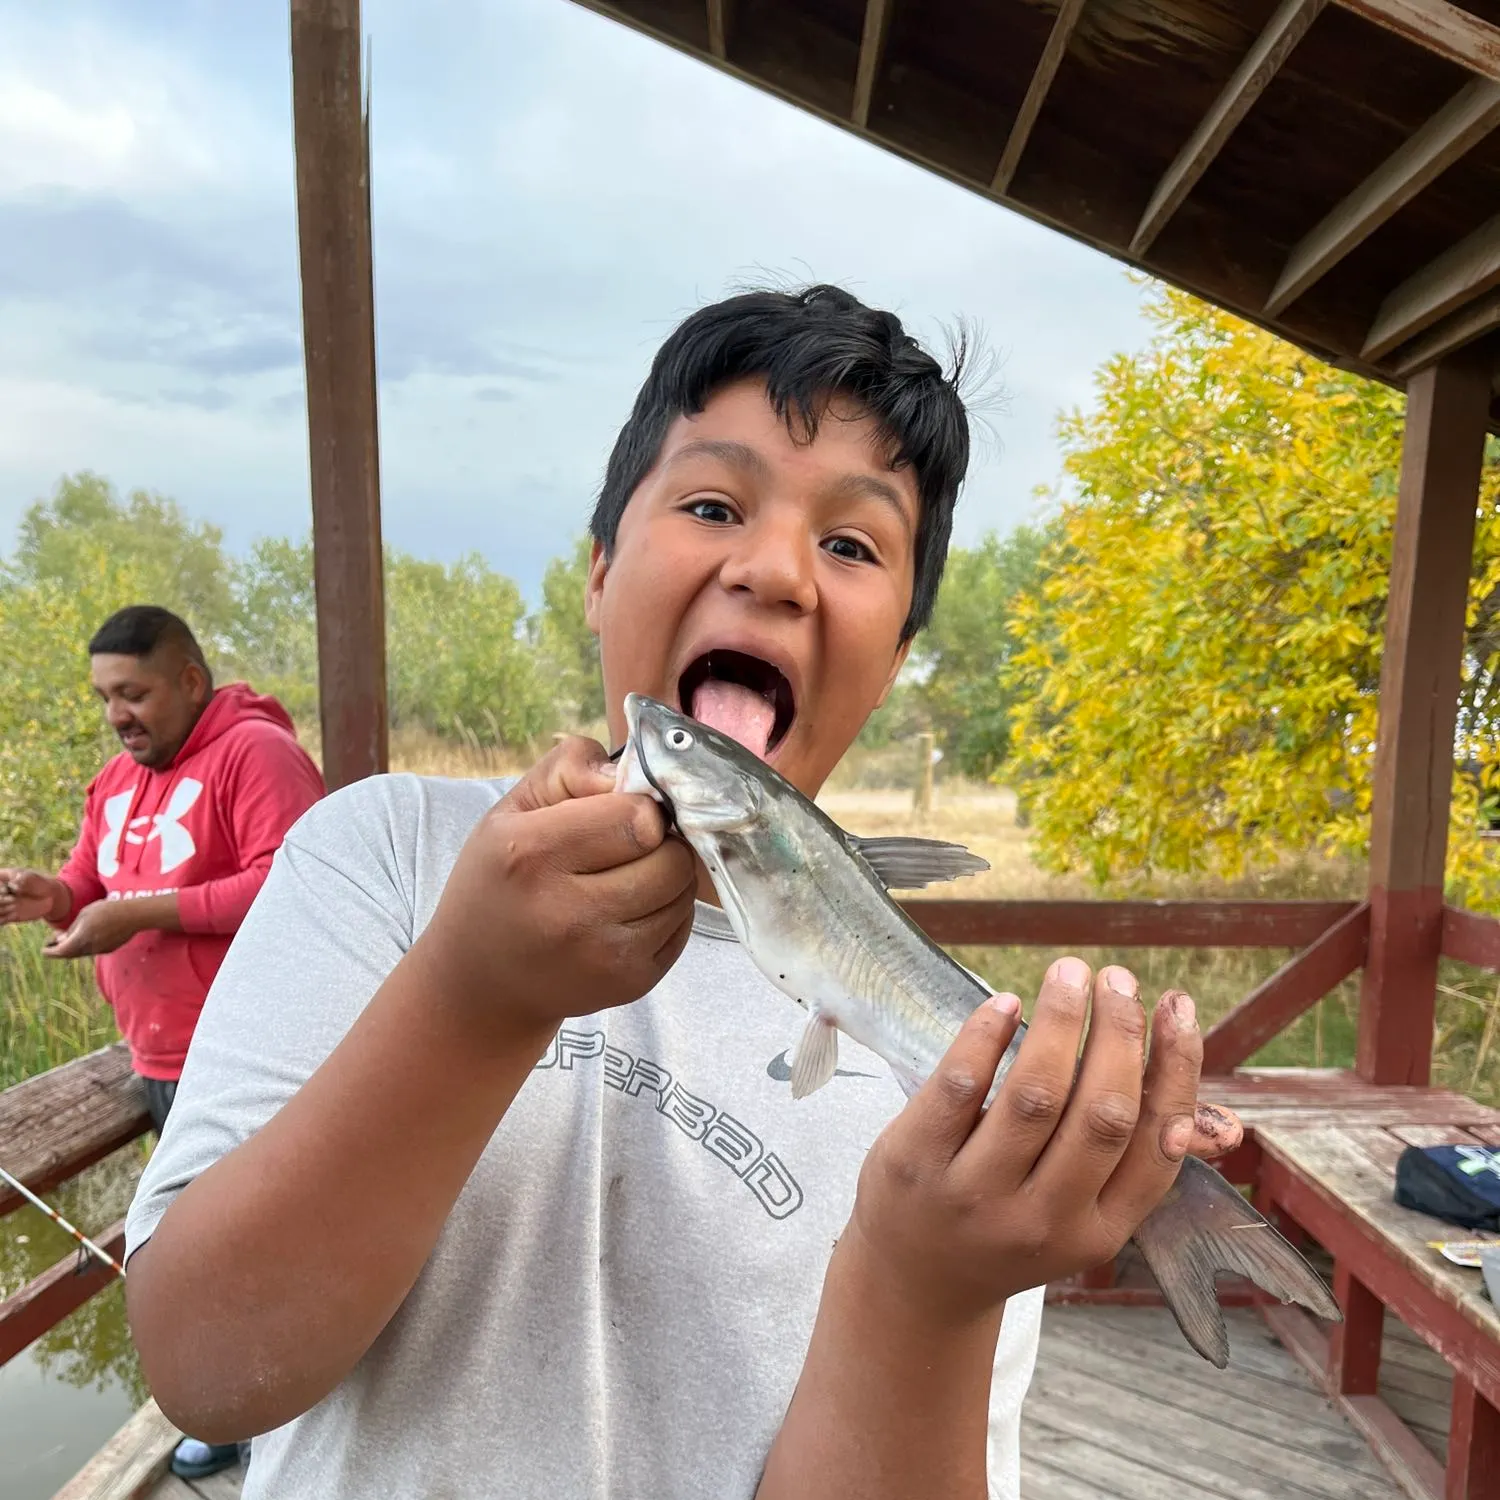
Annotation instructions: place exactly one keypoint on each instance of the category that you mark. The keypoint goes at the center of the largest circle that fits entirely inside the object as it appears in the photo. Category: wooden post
(1354, 1344)
(921, 802)
(1473, 1445)
(1432, 550)
(338, 326)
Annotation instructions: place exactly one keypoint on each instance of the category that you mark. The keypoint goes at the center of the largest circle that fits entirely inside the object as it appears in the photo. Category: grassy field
(50, 1011)
(1467, 1049)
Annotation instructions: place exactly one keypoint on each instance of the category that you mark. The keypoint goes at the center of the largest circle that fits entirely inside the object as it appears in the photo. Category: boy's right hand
(566, 899)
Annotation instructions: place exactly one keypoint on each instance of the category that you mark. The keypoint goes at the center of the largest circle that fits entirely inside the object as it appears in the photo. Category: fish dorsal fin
(817, 1056)
(907, 864)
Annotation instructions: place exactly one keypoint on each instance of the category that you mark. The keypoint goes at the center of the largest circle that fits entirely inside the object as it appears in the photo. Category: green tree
(961, 656)
(568, 649)
(273, 637)
(53, 738)
(139, 550)
(1196, 682)
(457, 653)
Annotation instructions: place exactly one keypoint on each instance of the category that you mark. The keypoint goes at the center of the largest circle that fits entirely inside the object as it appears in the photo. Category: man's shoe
(196, 1460)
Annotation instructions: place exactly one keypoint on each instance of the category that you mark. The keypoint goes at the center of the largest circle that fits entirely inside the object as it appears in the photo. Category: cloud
(551, 194)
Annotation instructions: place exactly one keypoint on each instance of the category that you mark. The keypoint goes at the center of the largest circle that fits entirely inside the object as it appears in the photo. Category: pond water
(65, 1396)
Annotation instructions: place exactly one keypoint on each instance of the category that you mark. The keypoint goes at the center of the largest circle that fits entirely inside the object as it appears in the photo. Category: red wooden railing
(51, 1128)
(54, 1126)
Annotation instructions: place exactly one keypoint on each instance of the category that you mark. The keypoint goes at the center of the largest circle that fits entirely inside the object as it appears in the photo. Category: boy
(449, 1208)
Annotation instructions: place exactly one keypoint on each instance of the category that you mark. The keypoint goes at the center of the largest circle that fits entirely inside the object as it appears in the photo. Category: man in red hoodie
(177, 838)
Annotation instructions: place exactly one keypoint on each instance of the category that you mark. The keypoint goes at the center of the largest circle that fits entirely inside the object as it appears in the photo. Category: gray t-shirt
(621, 1300)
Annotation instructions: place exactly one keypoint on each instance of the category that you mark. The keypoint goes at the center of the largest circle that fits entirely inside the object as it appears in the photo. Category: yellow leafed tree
(1197, 682)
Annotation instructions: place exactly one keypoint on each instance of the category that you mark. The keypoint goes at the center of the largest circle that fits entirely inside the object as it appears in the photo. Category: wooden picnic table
(1334, 1178)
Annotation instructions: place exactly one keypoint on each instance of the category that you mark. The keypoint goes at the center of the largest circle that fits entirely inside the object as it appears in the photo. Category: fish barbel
(810, 905)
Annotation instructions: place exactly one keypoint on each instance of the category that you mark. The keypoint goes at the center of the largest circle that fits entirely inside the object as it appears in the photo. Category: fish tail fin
(1204, 1226)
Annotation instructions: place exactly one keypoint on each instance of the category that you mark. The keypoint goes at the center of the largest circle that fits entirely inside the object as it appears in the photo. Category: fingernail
(1009, 1006)
(1071, 971)
(1121, 982)
(1214, 1125)
(1177, 1137)
(1184, 1012)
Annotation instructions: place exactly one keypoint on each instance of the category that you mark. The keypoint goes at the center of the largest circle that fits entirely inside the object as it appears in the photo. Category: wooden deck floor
(1122, 1409)
(225, 1485)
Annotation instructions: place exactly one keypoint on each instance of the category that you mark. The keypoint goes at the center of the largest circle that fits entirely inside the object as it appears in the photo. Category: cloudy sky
(552, 193)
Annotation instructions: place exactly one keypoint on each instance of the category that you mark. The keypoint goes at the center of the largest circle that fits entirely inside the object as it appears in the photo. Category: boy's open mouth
(741, 696)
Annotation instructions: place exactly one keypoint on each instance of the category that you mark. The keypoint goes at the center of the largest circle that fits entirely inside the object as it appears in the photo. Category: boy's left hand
(960, 1208)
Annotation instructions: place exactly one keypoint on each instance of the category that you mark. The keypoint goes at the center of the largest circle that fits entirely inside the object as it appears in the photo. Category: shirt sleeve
(273, 785)
(80, 872)
(1015, 1360)
(333, 919)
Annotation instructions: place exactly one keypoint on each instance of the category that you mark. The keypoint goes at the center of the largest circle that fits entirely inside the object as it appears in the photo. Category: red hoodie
(205, 826)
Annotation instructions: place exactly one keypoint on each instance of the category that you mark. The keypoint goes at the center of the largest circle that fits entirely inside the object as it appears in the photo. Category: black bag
(1458, 1183)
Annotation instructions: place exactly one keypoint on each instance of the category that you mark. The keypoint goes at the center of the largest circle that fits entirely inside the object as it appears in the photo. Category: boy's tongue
(735, 710)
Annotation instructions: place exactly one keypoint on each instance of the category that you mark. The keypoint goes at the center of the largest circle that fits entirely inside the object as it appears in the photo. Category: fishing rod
(62, 1223)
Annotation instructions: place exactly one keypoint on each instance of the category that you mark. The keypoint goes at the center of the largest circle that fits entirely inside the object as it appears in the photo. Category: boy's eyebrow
(736, 455)
(871, 487)
(742, 456)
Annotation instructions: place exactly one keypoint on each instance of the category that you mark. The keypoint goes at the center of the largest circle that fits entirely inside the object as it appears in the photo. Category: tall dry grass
(50, 1009)
(1467, 1038)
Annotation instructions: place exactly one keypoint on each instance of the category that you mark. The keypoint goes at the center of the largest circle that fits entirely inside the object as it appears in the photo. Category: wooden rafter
(1041, 81)
(1439, 28)
(871, 49)
(1461, 124)
(1470, 322)
(1283, 31)
(718, 28)
(1460, 274)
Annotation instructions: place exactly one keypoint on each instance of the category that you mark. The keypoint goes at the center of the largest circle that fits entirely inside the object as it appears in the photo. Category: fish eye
(679, 739)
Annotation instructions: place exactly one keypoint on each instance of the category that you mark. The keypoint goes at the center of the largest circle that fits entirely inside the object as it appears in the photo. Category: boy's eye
(715, 511)
(849, 548)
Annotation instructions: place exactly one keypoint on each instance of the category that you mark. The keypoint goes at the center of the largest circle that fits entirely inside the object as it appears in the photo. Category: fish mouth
(634, 703)
(743, 696)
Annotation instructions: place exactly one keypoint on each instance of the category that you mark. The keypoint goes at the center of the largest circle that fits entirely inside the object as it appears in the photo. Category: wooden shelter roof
(1329, 170)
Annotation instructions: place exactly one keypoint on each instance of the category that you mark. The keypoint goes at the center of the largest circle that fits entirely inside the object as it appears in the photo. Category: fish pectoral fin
(817, 1056)
(904, 864)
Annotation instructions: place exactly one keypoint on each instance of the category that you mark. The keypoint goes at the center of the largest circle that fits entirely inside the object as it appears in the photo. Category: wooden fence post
(1432, 552)
(331, 136)
(921, 801)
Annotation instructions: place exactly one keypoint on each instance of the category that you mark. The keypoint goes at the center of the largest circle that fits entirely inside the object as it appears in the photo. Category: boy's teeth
(735, 710)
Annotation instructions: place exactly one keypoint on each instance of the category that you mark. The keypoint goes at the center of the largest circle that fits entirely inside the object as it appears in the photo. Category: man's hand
(566, 898)
(101, 927)
(30, 896)
(962, 1208)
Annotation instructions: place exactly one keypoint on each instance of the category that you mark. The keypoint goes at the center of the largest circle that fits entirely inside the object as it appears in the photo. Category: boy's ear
(593, 589)
(902, 652)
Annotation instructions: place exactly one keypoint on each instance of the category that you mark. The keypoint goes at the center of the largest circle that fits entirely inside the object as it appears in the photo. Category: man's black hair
(140, 629)
(807, 346)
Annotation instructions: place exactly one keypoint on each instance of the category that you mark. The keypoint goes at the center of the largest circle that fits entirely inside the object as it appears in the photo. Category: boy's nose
(774, 563)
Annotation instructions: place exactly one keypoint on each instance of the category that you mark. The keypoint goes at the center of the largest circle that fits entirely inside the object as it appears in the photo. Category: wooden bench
(1332, 1177)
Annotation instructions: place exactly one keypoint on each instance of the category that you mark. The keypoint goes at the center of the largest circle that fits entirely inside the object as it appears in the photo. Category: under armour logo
(166, 827)
(781, 1070)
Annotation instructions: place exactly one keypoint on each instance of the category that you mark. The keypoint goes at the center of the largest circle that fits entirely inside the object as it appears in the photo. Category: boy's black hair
(808, 346)
(140, 629)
